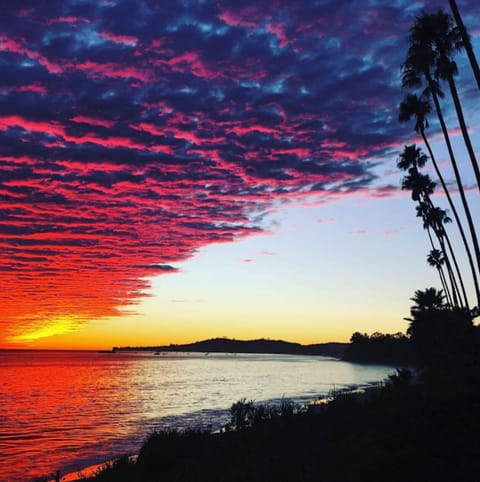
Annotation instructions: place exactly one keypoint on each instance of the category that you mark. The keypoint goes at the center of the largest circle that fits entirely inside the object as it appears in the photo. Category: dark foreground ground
(422, 430)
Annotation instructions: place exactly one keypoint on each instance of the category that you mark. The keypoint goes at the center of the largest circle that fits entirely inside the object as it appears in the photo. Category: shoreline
(406, 427)
(360, 393)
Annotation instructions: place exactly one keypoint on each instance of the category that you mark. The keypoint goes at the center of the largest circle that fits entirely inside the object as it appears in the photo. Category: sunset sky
(173, 171)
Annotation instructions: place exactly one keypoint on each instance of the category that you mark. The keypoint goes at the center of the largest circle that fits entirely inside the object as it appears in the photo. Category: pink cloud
(10, 45)
(55, 129)
(35, 87)
(278, 30)
(235, 19)
(185, 135)
(51, 128)
(150, 128)
(113, 70)
(68, 19)
(129, 40)
(92, 121)
(190, 62)
(242, 130)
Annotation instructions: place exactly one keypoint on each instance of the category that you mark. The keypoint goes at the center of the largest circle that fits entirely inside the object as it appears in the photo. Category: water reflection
(65, 410)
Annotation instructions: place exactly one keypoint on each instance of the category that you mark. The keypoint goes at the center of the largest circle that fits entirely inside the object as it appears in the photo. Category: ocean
(66, 410)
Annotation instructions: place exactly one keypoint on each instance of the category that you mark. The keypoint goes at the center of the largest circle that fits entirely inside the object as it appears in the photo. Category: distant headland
(262, 345)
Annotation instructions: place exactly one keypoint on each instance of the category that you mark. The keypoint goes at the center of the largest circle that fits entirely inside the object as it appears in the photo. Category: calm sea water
(68, 410)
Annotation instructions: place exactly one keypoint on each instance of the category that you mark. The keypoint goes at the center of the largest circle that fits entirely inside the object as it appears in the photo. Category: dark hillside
(226, 345)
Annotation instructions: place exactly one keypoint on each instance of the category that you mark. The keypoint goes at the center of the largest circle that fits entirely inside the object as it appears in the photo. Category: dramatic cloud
(133, 133)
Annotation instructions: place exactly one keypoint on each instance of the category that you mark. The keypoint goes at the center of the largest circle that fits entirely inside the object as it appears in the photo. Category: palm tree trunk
(466, 41)
(457, 270)
(444, 284)
(439, 234)
(443, 280)
(456, 216)
(453, 281)
(458, 178)
(463, 127)
(440, 270)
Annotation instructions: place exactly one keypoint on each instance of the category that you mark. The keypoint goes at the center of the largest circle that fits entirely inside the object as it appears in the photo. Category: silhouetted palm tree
(419, 108)
(419, 184)
(437, 218)
(417, 66)
(428, 300)
(424, 210)
(437, 33)
(411, 157)
(466, 41)
(421, 187)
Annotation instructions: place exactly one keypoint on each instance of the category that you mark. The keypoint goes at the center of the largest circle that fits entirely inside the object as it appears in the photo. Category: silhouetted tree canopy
(380, 348)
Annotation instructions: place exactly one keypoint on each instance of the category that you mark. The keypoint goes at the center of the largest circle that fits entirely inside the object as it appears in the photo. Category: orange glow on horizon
(58, 326)
(65, 333)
